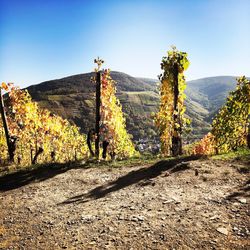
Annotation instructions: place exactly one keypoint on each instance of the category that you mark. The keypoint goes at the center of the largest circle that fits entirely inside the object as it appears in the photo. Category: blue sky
(44, 40)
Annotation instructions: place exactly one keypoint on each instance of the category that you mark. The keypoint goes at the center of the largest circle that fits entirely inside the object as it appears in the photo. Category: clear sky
(47, 39)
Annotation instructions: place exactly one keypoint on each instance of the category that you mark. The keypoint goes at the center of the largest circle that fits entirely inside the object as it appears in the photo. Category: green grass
(141, 160)
(146, 159)
(242, 154)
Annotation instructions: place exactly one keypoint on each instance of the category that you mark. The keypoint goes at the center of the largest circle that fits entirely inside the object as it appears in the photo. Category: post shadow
(133, 177)
(242, 191)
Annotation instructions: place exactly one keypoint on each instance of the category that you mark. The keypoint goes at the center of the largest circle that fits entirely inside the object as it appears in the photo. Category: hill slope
(73, 98)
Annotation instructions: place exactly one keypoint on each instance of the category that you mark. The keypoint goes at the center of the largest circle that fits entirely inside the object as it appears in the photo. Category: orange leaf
(4, 86)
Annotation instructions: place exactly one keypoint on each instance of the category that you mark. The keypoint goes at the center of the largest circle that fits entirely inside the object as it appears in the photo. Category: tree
(170, 118)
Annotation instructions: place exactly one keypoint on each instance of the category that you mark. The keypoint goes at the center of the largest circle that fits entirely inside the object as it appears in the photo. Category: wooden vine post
(98, 79)
(10, 143)
(176, 137)
(248, 134)
(97, 115)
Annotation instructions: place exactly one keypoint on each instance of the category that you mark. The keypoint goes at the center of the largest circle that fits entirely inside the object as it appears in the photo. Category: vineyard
(30, 134)
(125, 125)
(35, 134)
(64, 189)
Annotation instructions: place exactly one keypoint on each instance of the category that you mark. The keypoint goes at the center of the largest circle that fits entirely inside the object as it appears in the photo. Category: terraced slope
(73, 98)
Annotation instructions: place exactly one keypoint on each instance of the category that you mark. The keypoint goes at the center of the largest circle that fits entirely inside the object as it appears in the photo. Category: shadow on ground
(133, 177)
(36, 174)
(243, 191)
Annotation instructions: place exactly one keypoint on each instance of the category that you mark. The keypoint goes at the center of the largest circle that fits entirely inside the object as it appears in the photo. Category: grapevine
(206, 146)
(113, 126)
(170, 119)
(38, 130)
(231, 125)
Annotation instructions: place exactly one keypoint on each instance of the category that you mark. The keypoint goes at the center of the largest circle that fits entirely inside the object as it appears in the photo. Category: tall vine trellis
(170, 118)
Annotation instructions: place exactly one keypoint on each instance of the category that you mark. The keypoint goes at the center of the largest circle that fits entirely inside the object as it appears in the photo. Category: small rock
(51, 223)
(134, 219)
(213, 242)
(121, 217)
(140, 218)
(111, 229)
(167, 201)
(222, 230)
(242, 200)
(162, 237)
(235, 210)
(241, 234)
(86, 219)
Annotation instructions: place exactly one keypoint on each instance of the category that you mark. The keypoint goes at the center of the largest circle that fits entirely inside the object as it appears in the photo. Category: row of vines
(29, 134)
(230, 127)
(35, 135)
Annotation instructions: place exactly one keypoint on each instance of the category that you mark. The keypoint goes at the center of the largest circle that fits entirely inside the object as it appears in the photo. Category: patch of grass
(146, 159)
(242, 154)
(130, 162)
(142, 160)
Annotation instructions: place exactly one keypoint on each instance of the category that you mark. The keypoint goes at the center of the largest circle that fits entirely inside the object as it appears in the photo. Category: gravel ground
(178, 204)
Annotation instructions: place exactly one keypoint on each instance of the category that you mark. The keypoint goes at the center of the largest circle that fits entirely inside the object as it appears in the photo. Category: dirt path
(197, 204)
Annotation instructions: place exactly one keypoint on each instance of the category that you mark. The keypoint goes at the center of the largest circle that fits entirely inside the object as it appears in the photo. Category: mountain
(73, 98)
(215, 89)
(204, 98)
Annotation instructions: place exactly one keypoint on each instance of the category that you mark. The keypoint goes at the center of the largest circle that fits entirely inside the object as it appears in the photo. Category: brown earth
(174, 204)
